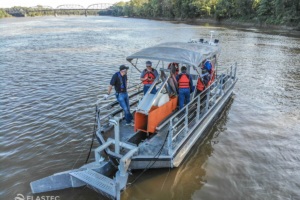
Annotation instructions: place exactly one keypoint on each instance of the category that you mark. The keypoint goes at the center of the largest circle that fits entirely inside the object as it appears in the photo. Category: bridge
(66, 7)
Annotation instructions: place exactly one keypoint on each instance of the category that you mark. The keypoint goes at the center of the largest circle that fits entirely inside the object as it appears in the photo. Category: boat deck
(153, 143)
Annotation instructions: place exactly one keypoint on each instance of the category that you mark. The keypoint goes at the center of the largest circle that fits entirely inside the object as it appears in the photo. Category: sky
(52, 3)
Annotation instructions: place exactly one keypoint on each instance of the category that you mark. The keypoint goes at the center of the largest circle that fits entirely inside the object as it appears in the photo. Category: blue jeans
(184, 94)
(123, 100)
(146, 88)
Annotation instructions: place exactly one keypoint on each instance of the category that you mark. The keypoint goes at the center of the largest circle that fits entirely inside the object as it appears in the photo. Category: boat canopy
(192, 54)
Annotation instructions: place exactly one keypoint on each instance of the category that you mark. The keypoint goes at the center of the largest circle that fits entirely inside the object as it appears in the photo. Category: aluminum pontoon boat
(163, 135)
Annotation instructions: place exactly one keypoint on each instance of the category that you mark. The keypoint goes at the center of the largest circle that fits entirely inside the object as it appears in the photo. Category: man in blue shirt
(185, 84)
(119, 80)
(148, 76)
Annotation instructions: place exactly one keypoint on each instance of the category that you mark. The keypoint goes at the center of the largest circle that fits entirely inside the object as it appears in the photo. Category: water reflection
(53, 70)
(182, 182)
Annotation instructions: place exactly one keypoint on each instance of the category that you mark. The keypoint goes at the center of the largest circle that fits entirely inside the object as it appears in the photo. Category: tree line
(41, 11)
(3, 13)
(269, 11)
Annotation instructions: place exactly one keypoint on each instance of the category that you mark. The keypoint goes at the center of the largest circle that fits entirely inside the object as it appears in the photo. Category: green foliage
(225, 9)
(279, 8)
(40, 11)
(3, 13)
(265, 8)
(269, 11)
(244, 7)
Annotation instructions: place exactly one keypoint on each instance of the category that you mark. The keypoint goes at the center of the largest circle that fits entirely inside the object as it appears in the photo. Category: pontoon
(163, 135)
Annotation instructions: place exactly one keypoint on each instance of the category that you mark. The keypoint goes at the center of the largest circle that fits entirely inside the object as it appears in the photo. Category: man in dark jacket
(119, 80)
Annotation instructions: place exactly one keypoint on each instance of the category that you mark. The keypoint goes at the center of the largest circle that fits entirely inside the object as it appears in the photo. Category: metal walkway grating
(96, 180)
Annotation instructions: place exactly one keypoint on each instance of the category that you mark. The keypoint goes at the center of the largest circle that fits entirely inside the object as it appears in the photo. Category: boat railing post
(207, 99)
(235, 66)
(231, 75)
(186, 121)
(170, 138)
(221, 85)
(117, 136)
(226, 82)
(198, 108)
(118, 193)
(98, 118)
(115, 122)
(215, 94)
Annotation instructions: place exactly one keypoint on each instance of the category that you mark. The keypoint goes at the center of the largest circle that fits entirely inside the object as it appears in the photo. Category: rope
(86, 142)
(147, 167)
(135, 88)
(93, 137)
(166, 178)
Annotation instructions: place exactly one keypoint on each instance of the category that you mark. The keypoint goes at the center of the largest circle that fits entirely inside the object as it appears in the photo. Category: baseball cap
(123, 67)
(149, 63)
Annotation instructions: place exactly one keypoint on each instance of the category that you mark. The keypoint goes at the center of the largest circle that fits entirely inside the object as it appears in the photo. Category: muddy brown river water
(53, 70)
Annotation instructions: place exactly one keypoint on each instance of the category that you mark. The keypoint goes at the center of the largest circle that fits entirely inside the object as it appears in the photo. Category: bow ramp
(95, 175)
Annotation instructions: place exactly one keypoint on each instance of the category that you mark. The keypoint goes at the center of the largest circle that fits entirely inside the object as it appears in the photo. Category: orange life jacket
(148, 74)
(184, 81)
(200, 85)
(177, 68)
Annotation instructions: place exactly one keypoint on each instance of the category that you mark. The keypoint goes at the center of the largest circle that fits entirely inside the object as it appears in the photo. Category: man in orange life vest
(119, 80)
(207, 79)
(185, 83)
(148, 76)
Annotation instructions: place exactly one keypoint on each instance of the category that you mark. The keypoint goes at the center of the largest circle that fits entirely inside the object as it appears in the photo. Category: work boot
(130, 124)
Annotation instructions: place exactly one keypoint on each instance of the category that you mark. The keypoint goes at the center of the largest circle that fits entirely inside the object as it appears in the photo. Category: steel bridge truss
(40, 8)
(99, 6)
(70, 7)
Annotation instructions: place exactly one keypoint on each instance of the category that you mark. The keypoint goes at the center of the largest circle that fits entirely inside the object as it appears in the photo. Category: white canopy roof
(186, 53)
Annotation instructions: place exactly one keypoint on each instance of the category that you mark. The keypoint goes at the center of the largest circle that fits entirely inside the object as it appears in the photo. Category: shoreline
(232, 22)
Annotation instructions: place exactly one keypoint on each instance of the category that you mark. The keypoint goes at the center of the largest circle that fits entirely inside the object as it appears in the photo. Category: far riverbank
(232, 22)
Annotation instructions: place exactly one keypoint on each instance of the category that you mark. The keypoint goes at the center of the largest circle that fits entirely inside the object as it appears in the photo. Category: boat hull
(180, 153)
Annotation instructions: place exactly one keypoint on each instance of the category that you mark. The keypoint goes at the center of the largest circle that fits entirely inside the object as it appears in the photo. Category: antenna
(211, 34)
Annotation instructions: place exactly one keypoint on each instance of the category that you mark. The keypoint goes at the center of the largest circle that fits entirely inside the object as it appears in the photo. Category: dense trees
(39, 10)
(270, 11)
(3, 13)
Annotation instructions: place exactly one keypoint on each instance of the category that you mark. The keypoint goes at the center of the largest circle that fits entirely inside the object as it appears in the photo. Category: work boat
(163, 135)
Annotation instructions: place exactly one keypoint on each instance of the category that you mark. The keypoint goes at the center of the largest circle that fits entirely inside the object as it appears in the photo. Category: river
(53, 70)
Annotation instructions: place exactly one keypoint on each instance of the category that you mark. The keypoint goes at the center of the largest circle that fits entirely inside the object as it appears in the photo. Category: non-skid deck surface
(125, 132)
(151, 146)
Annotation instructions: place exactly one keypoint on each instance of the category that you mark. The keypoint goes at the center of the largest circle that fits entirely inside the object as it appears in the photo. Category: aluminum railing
(111, 110)
(189, 116)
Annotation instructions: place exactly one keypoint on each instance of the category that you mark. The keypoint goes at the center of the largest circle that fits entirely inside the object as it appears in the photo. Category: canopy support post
(135, 66)
(157, 65)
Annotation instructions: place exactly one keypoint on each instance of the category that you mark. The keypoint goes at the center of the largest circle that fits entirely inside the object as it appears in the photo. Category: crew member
(148, 76)
(185, 83)
(119, 80)
(203, 82)
(209, 67)
(206, 80)
(176, 67)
